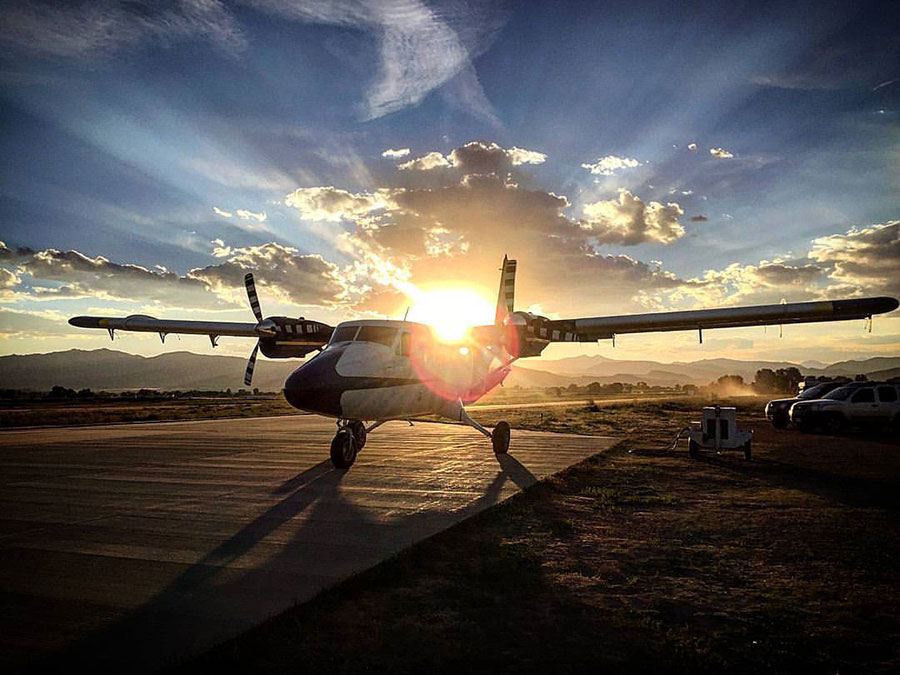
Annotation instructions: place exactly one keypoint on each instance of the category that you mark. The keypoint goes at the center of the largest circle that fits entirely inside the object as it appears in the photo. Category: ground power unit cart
(718, 431)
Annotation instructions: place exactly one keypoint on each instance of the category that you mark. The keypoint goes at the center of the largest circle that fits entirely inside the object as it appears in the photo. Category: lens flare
(451, 312)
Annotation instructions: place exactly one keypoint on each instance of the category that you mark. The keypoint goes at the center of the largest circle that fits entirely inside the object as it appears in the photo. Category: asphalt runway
(135, 546)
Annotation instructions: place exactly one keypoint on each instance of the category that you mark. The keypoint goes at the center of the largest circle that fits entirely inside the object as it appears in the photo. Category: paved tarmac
(132, 547)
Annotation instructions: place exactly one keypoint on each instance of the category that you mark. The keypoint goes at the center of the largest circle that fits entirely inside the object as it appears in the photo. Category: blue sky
(633, 156)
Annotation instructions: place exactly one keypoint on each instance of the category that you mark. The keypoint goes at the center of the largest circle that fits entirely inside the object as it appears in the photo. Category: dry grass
(107, 411)
(636, 559)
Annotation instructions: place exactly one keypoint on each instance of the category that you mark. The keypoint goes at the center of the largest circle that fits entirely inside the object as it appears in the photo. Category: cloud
(221, 212)
(699, 219)
(99, 29)
(421, 49)
(607, 166)
(863, 260)
(278, 270)
(32, 324)
(859, 262)
(692, 147)
(764, 283)
(291, 276)
(220, 250)
(54, 274)
(333, 204)
(432, 160)
(519, 156)
(483, 157)
(390, 153)
(243, 214)
(720, 153)
(629, 221)
(468, 218)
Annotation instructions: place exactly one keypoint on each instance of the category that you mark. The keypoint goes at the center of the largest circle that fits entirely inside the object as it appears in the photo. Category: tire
(358, 429)
(833, 424)
(693, 448)
(343, 449)
(500, 438)
(780, 421)
(748, 455)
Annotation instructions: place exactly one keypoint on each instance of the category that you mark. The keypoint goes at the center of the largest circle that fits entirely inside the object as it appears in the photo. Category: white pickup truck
(857, 404)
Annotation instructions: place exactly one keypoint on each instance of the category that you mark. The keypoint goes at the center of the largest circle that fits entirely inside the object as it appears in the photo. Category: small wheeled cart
(718, 431)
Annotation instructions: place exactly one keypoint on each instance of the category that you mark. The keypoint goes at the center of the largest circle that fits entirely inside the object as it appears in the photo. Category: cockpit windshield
(343, 334)
(383, 335)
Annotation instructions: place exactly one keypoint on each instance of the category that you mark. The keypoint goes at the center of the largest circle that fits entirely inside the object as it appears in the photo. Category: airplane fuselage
(379, 370)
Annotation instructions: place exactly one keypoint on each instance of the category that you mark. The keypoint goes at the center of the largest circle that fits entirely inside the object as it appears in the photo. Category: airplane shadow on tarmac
(228, 590)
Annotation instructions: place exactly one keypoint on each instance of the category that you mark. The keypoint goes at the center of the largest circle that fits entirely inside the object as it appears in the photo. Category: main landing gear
(351, 438)
(499, 436)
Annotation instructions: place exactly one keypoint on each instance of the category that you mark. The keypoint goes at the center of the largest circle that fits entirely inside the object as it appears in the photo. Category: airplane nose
(316, 386)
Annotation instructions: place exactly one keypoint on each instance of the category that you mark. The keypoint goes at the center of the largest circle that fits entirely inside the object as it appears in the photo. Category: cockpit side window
(405, 340)
(383, 335)
(344, 334)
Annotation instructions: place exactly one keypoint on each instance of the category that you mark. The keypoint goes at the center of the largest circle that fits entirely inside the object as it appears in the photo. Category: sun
(451, 311)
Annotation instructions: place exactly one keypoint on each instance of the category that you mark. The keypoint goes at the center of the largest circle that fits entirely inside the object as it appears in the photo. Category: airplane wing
(279, 337)
(597, 328)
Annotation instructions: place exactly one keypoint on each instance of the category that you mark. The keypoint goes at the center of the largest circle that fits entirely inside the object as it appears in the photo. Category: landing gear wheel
(343, 449)
(500, 438)
(748, 455)
(358, 429)
(693, 449)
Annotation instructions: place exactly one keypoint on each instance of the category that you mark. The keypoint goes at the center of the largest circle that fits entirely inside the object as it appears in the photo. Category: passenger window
(887, 394)
(382, 335)
(864, 396)
(404, 344)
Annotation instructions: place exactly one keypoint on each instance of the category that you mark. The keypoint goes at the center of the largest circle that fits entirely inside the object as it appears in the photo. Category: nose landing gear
(348, 441)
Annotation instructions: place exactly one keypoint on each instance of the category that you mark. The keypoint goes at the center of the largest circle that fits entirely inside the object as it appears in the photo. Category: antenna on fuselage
(406, 314)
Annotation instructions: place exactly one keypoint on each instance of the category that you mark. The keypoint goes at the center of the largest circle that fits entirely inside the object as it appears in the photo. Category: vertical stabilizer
(506, 297)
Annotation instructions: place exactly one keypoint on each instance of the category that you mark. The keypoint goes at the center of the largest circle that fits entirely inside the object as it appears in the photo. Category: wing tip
(85, 322)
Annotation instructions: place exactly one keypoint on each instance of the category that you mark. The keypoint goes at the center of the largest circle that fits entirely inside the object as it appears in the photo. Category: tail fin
(507, 293)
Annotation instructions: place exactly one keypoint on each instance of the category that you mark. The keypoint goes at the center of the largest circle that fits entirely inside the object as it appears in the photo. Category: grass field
(637, 559)
(25, 413)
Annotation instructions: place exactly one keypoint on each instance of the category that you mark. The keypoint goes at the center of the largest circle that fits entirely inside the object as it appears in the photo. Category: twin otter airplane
(376, 371)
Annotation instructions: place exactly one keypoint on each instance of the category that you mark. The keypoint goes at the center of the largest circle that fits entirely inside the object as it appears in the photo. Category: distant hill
(702, 371)
(106, 369)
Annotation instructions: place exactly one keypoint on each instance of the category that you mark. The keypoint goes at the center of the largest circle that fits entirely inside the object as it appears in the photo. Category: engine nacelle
(528, 329)
(295, 338)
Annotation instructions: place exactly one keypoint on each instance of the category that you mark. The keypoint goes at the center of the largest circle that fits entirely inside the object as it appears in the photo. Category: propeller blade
(251, 364)
(251, 293)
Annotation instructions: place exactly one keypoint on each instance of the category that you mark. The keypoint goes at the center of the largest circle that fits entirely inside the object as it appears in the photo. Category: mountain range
(106, 369)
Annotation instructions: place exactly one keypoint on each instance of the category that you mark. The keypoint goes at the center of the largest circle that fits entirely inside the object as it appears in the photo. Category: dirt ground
(637, 559)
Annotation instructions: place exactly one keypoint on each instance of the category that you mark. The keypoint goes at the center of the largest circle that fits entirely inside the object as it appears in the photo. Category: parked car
(778, 411)
(856, 404)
